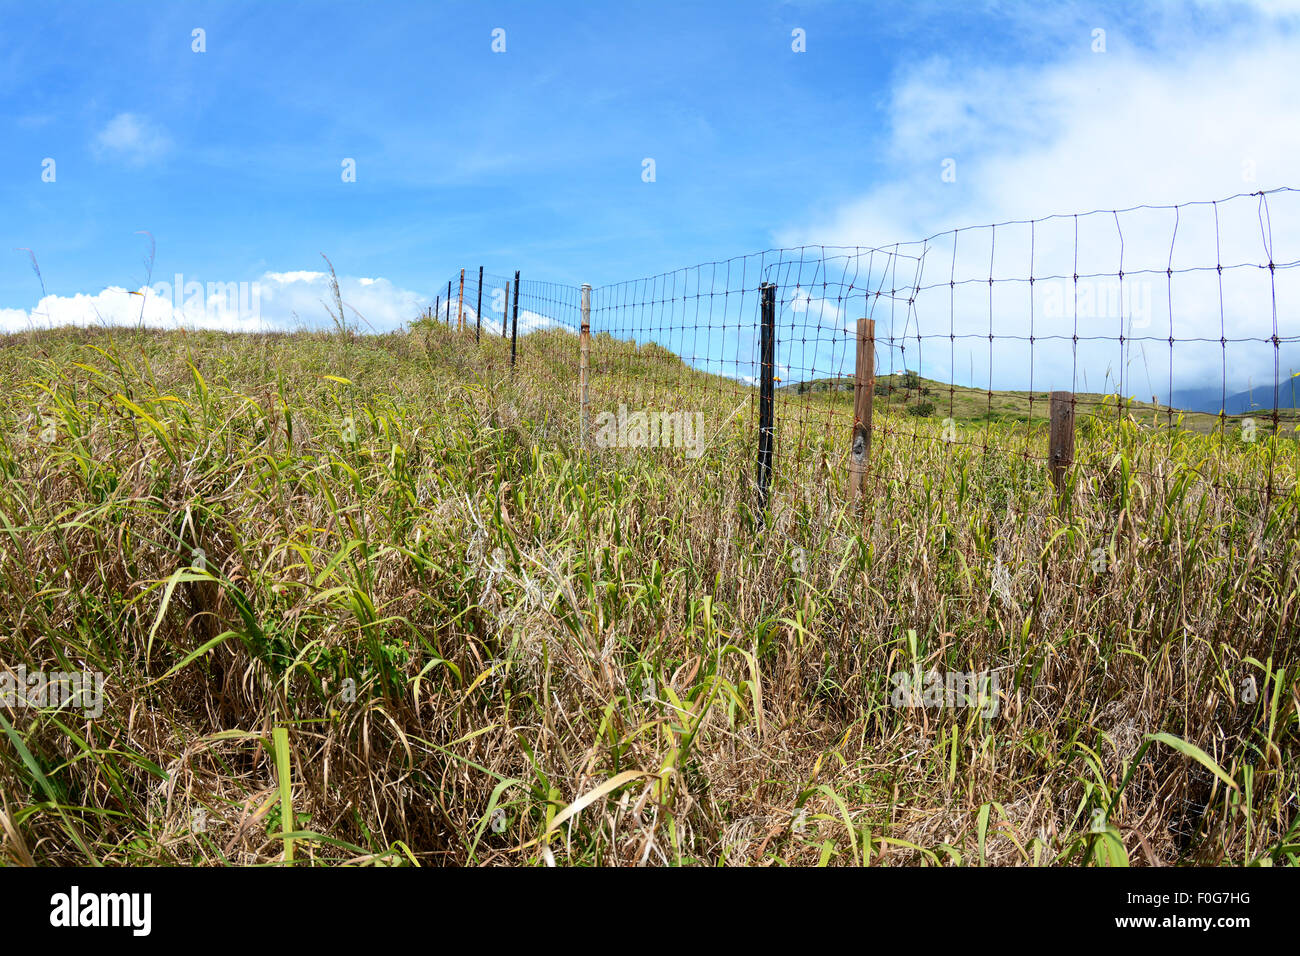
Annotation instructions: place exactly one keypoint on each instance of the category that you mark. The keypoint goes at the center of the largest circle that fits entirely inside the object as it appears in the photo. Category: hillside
(376, 601)
(980, 405)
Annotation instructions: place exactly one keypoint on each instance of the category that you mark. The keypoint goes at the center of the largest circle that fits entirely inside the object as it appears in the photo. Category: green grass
(379, 585)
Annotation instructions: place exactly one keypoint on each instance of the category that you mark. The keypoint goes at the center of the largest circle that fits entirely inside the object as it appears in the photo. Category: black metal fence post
(478, 309)
(514, 323)
(766, 391)
(437, 307)
(448, 303)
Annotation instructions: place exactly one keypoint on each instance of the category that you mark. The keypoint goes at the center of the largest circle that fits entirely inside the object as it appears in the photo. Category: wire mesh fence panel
(1173, 329)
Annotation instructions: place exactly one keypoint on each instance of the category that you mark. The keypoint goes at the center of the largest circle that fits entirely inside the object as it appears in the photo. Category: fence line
(1087, 305)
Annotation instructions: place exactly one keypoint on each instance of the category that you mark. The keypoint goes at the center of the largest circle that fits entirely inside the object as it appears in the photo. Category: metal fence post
(584, 347)
(478, 309)
(766, 392)
(514, 324)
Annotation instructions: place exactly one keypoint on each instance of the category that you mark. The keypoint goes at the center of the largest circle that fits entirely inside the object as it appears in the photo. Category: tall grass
(367, 599)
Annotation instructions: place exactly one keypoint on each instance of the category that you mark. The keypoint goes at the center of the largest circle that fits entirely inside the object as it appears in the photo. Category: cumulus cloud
(529, 321)
(804, 302)
(133, 138)
(1193, 119)
(275, 301)
(294, 298)
(1196, 117)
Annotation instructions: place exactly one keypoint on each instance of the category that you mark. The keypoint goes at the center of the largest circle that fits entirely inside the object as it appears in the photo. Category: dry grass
(465, 623)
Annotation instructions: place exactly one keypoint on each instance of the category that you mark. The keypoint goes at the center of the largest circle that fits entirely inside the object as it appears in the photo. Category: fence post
(584, 345)
(1062, 438)
(437, 306)
(505, 311)
(478, 309)
(448, 303)
(864, 389)
(514, 324)
(766, 391)
(460, 304)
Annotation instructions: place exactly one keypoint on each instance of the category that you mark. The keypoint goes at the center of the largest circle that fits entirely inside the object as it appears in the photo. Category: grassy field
(371, 600)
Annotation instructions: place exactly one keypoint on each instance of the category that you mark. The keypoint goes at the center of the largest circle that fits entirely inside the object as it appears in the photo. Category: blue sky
(531, 159)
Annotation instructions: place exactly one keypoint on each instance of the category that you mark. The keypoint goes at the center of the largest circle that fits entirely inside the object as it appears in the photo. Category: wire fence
(1173, 329)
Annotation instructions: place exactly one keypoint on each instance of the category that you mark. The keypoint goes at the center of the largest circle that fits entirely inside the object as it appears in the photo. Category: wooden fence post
(460, 304)
(478, 309)
(864, 388)
(514, 324)
(584, 345)
(766, 391)
(1062, 438)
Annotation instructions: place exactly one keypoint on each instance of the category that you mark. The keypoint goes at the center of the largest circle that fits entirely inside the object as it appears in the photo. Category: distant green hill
(930, 398)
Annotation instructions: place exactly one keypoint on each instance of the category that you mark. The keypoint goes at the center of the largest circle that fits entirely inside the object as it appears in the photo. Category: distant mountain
(1209, 399)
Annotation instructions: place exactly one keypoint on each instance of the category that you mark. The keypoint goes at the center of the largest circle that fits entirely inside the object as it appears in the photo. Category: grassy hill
(394, 566)
(965, 404)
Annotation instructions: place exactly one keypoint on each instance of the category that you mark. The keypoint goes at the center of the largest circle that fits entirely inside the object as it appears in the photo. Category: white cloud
(300, 276)
(804, 302)
(1197, 118)
(529, 321)
(381, 304)
(277, 300)
(116, 306)
(133, 138)
(1108, 131)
